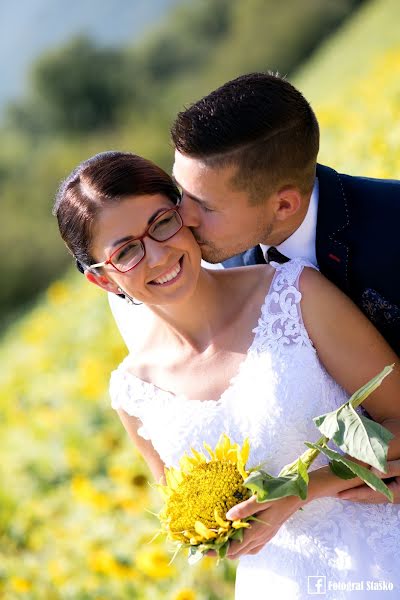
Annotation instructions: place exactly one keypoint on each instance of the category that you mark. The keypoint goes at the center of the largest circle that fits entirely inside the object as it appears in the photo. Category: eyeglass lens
(163, 228)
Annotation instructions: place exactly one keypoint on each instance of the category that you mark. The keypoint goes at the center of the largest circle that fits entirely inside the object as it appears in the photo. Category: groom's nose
(190, 212)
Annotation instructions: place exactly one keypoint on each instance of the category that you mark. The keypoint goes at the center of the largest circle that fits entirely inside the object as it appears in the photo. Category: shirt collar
(301, 244)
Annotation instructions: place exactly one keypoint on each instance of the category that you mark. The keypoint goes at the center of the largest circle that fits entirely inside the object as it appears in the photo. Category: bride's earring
(129, 298)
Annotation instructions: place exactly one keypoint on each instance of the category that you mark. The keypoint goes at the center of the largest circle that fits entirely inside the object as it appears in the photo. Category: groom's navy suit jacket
(357, 245)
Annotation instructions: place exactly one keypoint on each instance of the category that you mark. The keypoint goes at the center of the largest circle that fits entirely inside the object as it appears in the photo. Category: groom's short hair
(259, 123)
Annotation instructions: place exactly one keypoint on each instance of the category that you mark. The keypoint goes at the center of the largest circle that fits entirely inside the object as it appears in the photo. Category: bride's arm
(145, 447)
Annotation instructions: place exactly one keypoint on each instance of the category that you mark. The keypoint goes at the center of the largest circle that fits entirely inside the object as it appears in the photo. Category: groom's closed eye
(198, 201)
(204, 206)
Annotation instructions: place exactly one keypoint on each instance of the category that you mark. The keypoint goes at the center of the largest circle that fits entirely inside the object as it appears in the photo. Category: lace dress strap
(281, 323)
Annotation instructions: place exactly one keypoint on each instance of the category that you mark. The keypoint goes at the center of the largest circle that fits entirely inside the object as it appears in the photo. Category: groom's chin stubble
(208, 253)
(214, 255)
(211, 254)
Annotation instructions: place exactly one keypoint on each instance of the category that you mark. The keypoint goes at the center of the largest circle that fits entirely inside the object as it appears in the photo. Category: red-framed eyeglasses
(130, 254)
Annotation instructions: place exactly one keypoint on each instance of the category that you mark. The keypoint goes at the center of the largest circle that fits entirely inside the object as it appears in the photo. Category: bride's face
(169, 270)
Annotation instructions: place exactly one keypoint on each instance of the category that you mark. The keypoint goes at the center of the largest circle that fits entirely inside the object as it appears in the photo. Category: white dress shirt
(301, 244)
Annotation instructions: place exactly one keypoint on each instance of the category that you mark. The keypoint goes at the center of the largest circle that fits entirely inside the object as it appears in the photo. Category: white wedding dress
(331, 546)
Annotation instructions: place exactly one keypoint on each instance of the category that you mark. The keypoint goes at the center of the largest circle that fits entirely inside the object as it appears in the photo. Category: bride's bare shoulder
(246, 282)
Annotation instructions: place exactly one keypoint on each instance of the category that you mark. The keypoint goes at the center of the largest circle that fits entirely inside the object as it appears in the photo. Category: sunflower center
(212, 485)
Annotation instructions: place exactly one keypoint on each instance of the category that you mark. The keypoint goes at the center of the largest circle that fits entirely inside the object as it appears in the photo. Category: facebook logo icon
(316, 584)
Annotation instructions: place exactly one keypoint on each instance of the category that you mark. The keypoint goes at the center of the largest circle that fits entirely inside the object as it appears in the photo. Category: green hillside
(73, 500)
(353, 83)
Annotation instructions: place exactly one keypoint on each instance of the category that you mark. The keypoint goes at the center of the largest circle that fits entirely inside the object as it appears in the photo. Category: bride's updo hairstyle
(102, 181)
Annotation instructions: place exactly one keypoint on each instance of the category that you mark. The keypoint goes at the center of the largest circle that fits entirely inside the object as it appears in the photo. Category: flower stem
(307, 458)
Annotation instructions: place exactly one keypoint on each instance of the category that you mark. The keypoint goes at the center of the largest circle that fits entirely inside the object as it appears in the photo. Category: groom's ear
(288, 201)
(102, 281)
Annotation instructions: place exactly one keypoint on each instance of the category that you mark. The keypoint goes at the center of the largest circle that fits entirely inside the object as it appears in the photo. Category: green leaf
(269, 488)
(256, 482)
(369, 478)
(302, 470)
(340, 470)
(362, 438)
(238, 535)
(327, 423)
(222, 550)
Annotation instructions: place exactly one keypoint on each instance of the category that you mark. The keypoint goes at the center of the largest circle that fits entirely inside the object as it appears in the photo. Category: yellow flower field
(362, 134)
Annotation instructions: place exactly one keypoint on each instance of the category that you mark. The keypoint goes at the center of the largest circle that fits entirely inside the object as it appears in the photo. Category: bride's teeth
(169, 276)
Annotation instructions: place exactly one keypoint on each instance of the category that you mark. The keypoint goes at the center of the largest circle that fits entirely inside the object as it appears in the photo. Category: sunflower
(199, 494)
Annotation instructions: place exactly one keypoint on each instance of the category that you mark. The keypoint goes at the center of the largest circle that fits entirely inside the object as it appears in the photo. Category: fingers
(364, 494)
(394, 487)
(270, 517)
(237, 550)
(245, 509)
(393, 470)
(254, 539)
(257, 549)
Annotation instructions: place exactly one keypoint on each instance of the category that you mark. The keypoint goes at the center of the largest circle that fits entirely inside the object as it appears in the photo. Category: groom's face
(221, 217)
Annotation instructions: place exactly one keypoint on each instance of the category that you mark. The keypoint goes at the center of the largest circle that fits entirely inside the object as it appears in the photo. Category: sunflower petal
(220, 521)
(174, 477)
(187, 463)
(210, 451)
(199, 456)
(240, 524)
(245, 451)
(202, 530)
(242, 471)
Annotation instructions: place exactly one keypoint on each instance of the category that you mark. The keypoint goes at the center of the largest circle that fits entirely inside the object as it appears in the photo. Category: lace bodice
(280, 386)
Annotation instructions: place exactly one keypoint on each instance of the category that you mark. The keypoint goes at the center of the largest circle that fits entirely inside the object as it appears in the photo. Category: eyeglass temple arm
(97, 265)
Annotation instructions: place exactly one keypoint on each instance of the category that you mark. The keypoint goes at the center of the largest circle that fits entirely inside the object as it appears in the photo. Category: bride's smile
(169, 276)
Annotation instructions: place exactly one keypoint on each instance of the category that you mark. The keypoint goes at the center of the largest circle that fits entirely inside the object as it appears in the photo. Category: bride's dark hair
(103, 180)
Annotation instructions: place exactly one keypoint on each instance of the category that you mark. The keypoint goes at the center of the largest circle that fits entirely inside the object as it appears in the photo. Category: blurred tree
(186, 40)
(76, 89)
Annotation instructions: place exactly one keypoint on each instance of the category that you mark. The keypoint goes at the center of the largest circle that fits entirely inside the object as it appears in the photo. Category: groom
(246, 163)
(252, 192)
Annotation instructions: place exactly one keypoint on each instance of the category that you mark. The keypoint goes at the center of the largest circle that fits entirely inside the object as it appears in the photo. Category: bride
(251, 352)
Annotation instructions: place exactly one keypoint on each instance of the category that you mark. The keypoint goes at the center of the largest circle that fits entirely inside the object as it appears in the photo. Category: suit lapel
(332, 222)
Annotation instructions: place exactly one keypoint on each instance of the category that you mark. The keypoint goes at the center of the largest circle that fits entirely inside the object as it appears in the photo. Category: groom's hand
(366, 495)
